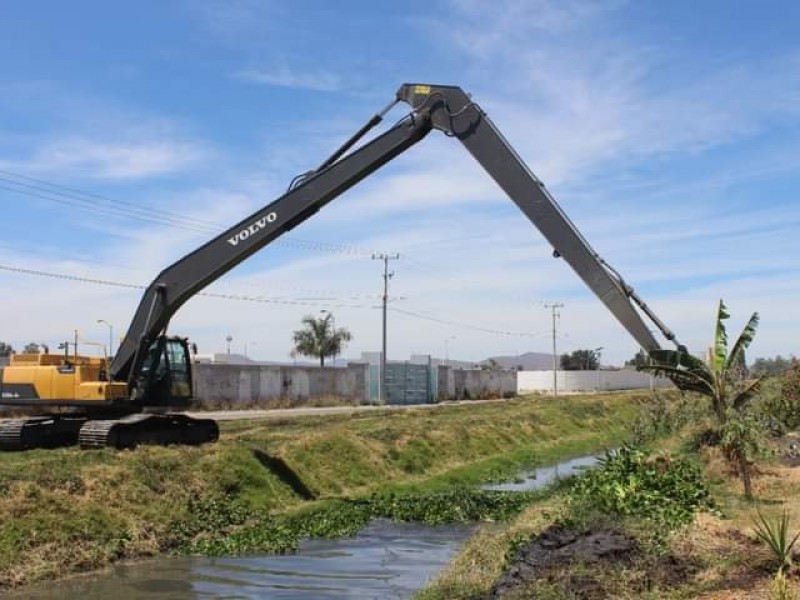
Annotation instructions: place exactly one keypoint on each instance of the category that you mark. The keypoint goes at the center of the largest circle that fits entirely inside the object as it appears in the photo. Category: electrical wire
(135, 207)
(262, 299)
(463, 325)
(108, 211)
(69, 199)
(136, 286)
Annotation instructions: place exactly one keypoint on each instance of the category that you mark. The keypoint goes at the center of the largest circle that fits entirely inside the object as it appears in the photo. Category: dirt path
(282, 413)
(312, 411)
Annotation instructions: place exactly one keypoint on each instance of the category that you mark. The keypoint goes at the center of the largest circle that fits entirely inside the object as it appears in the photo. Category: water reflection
(385, 560)
(544, 476)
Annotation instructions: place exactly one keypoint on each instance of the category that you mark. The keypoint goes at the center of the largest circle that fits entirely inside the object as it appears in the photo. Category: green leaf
(683, 378)
(743, 341)
(720, 338)
(686, 371)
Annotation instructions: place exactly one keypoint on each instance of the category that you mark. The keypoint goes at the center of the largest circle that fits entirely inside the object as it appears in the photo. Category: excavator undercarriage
(56, 431)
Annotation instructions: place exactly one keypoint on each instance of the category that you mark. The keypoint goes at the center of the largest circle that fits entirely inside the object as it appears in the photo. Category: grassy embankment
(264, 484)
(717, 556)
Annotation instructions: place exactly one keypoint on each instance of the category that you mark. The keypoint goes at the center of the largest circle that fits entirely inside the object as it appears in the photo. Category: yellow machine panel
(55, 378)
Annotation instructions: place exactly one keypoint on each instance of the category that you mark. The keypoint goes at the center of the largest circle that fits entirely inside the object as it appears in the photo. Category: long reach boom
(446, 108)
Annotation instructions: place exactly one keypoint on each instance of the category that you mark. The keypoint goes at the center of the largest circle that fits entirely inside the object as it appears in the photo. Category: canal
(386, 560)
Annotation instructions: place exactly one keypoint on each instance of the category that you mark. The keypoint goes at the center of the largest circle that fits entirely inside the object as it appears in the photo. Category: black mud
(586, 565)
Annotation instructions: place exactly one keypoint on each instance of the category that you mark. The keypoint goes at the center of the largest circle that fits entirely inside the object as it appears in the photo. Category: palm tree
(319, 339)
(722, 381)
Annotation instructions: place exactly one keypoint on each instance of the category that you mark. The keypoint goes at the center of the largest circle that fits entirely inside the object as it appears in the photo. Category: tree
(31, 348)
(580, 360)
(319, 339)
(6, 349)
(722, 382)
(771, 366)
(641, 358)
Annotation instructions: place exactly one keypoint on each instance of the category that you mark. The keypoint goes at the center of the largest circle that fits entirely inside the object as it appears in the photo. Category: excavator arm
(455, 114)
(446, 108)
(182, 280)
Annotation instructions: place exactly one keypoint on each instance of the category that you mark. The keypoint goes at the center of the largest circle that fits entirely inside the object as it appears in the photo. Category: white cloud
(319, 81)
(235, 19)
(103, 159)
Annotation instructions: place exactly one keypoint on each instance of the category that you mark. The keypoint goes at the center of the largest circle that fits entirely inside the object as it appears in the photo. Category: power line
(131, 205)
(67, 196)
(53, 192)
(463, 325)
(136, 286)
(263, 299)
(84, 205)
(31, 253)
(83, 200)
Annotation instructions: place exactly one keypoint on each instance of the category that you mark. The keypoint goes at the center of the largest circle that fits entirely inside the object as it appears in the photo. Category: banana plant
(721, 378)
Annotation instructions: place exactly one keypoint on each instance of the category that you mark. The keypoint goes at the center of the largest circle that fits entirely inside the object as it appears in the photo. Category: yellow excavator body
(43, 378)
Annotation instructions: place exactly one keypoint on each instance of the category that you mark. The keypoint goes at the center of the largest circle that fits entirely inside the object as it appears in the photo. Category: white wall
(248, 383)
(461, 384)
(587, 381)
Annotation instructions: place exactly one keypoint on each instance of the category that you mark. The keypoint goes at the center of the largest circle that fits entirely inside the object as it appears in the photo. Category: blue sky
(669, 132)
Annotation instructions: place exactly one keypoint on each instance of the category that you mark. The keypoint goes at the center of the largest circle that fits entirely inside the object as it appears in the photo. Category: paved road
(282, 413)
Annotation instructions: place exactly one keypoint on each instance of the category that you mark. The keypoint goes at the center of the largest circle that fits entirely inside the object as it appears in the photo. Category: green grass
(64, 511)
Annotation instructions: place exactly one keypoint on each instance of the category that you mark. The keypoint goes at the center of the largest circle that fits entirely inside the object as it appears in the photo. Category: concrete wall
(464, 384)
(587, 381)
(245, 384)
(223, 384)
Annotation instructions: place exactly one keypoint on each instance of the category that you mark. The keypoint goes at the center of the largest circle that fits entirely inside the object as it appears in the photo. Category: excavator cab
(165, 380)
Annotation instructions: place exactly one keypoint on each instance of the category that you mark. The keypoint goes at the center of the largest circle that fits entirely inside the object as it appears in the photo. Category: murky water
(386, 560)
(544, 476)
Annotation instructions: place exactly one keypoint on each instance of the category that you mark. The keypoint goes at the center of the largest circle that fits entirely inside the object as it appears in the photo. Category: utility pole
(598, 354)
(110, 336)
(554, 306)
(386, 277)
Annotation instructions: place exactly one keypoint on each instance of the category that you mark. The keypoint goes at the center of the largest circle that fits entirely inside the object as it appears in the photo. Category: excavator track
(49, 431)
(141, 428)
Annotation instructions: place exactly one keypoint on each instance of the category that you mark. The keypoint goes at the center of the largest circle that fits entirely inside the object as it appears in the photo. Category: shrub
(660, 415)
(661, 491)
(778, 405)
(741, 442)
(775, 534)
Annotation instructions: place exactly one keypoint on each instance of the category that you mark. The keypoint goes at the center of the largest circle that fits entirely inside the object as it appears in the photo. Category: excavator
(136, 398)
